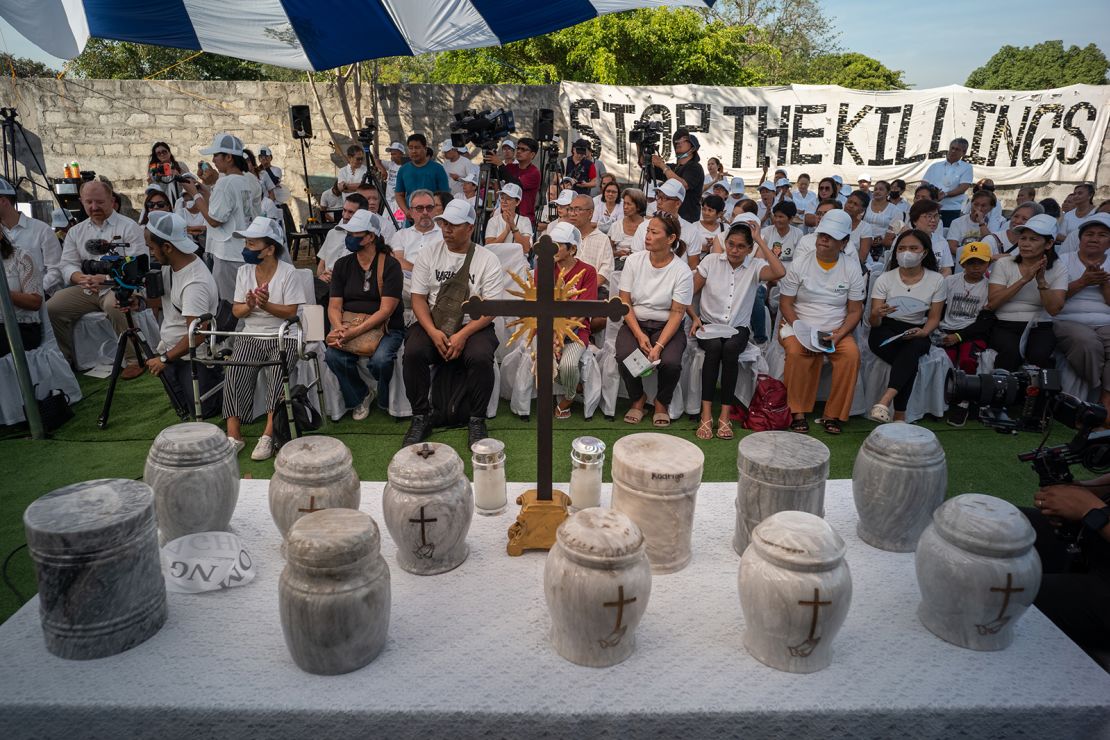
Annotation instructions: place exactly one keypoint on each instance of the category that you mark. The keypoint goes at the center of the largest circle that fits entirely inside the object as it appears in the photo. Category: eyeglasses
(523, 149)
(157, 205)
(423, 208)
(161, 151)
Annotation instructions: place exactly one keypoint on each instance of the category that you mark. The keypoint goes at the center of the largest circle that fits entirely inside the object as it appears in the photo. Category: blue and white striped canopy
(304, 34)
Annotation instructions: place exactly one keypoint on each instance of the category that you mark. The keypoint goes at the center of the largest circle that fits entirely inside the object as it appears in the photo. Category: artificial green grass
(979, 459)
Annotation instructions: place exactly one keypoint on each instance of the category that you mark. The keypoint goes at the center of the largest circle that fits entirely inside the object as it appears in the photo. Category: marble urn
(597, 581)
(977, 571)
(311, 473)
(194, 473)
(428, 504)
(95, 550)
(899, 478)
(334, 594)
(795, 590)
(777, 471)
(655, 482)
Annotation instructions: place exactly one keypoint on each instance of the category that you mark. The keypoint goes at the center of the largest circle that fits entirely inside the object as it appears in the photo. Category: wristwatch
(1096, 519)
(164, 358)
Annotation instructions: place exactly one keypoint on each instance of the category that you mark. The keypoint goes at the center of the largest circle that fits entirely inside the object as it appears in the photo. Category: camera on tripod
(484, 128)
(129, 274)
(368, 133)
(646, 135)
(1039, 392)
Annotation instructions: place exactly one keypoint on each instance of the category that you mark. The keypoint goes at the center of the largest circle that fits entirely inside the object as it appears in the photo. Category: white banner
(1015, 137)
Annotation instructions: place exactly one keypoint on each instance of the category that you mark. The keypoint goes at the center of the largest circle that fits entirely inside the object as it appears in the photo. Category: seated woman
(657, 286)
(267, 293)
(568, 353)
(1005, 241)
(25, 285)
(728, 284)
(782, 235)
(162, 168)
(824, 289)
(366, 287)
(1023, 287)
(609, 210)
(156, 200)
(634, 208)
(925, 217)
(907, 303)
(860, 238)
(1083, 326)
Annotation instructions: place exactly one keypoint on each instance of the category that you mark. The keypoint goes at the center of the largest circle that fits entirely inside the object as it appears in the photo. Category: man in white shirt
(352, 173)
(32, 236)
(594, 249)
(270, 177)
(90, 293)
(472, 344)
(456, 166)
(331, 199)
(808, 243)
(952, 176)
(409, 242)
(389, 169)
(190, 293)
(805, 199)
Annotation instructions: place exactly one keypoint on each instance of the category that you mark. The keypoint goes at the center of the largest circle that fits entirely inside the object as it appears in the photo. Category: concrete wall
(109, 125)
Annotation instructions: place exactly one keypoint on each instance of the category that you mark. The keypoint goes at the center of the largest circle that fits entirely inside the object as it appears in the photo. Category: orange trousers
(803, 374)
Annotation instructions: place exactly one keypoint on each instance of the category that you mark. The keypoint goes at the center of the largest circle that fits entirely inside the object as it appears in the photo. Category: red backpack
(768, 410)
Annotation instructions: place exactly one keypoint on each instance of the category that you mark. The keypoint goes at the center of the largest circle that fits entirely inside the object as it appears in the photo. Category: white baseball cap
(260, 228)
(6, 187)
(671, 189)
(512, 190)
(864, 177)
(1042, 224)
(446, 146)
(766, 185)
(265, 151)
(737, 186)
(838, 179)
(457, 212)
(782, 182)
(566, 197)
(509, 143)
(746, 217)
(1097, 219)
(362, 220)
(469, 177)
(396, 147)
(225, 143)
(171, 227)
(151, 188)
(836, 223)
(564, 233)
(59, 219)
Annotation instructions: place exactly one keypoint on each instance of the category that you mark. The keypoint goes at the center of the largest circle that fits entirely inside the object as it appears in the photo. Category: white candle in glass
(490, 496)
(587, 457)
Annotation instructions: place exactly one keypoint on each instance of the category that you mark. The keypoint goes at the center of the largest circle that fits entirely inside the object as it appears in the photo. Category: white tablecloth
(468, 656)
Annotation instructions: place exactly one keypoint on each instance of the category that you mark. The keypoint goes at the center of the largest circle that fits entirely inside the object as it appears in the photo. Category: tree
(123, 60)
(24, 67)
(1042, 66)
(852, 70)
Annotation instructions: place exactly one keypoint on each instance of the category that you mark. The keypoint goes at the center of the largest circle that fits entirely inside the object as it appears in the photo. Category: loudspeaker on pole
(300, 119)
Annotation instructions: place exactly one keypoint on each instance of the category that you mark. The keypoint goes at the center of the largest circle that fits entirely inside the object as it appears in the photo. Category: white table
(467, 656)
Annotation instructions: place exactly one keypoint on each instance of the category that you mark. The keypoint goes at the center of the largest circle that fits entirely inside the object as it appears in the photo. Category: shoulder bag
(447, 314)
(366, 344)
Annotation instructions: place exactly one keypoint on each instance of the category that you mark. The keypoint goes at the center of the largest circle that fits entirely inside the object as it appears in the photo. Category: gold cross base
(535, 525)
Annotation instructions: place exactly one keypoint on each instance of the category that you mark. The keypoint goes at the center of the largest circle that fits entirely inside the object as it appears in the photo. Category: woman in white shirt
(714, 174)
(781, 235)
(860, 238)
(925, 216)
(25, 286)
(728, 283)
(267, 293)
(621, 234)
(1022, 288)
(657, 286)
(907, 303)
(973, 226)
(609, 210)
(1082, 328)
(1005, 242)
(878, 215)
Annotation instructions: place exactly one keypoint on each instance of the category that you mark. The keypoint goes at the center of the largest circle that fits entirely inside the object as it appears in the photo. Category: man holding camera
(90, 293)
(190, 292)
(580, 168)
(686, 170)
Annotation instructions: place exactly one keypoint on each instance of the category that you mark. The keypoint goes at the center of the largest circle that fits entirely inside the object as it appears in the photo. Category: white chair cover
(94, 338)
(928, 389)
(399, 405)
(518, 384)
(48, 369)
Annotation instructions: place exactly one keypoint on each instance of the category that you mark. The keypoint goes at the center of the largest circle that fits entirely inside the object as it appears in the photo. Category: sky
(935, 43)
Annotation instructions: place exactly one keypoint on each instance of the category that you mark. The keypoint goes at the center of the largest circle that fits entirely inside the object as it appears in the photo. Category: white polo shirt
(806, 203)
(408, 242)
(38, 240)
(822, 295)
(652, 289)
(728, 295)
(946, 175)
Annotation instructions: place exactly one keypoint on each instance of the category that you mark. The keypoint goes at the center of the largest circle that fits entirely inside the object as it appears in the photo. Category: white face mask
(910, 259)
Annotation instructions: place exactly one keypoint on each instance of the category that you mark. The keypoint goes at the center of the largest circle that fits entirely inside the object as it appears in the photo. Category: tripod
(143, 352)
(549, 170)
(647, 169)
(485, 177)
(372, 178)
(307, 190)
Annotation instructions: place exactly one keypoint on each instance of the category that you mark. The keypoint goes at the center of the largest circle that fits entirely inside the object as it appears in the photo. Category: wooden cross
(426, 451)
(619, 604)
(1006, 594)
(311, 506)
(545, 309)
(422, 521)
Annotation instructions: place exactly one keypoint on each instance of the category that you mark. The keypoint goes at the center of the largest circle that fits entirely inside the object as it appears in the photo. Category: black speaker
(300, 119)
(544, 129)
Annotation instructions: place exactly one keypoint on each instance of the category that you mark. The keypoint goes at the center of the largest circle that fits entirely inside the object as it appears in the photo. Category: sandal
(705, 429)
(724, 429)
(800, 426)
(661, 419)
(832, 426)
(562, 412)
(634, 416)
(879, 413)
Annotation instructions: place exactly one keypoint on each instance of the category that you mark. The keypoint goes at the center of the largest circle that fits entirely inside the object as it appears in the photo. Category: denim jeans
(345, 366)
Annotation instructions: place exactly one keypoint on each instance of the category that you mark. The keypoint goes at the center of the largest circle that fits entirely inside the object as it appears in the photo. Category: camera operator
(90, 293)
(580, 168)
(687, 170)
(190, 292)
(1075, 590)
(520, 171)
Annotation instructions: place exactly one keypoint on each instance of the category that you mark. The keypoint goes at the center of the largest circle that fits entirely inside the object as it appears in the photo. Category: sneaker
(475, 430)
(264, 450)
(420, 429)
(957, 415)
(238, 444)
(363, 409)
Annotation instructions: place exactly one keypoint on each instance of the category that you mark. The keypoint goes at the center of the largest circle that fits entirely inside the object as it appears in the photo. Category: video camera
(646, 135)
(368, 133)
(164, 174)
(484, 128)
(130, 274)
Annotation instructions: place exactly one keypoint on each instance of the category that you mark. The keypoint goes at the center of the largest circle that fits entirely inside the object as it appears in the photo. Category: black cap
(582, 144)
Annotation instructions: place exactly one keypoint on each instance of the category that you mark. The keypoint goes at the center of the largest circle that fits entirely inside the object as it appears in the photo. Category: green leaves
(1045, 65)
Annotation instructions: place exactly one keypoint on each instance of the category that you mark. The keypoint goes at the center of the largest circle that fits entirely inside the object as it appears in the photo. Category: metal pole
(307, 189)
(19, 359)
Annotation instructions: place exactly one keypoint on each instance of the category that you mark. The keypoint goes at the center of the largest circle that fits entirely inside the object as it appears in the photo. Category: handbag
(54, 410)
(447, 313)
(365, 344)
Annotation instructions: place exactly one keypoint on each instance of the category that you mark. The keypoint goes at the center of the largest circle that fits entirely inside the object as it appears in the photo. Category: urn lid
(601, 534)
(797, 540)
(907, 444)
(313, 458)
(89, 516)
(985, 525)
(429, 466)
(784, 458)
(189, 444)
(332, 538)
(488, 450)
(587, 449)
(658, 463)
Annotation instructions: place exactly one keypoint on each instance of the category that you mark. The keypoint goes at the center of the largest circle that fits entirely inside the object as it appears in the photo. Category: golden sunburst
(565, 290)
